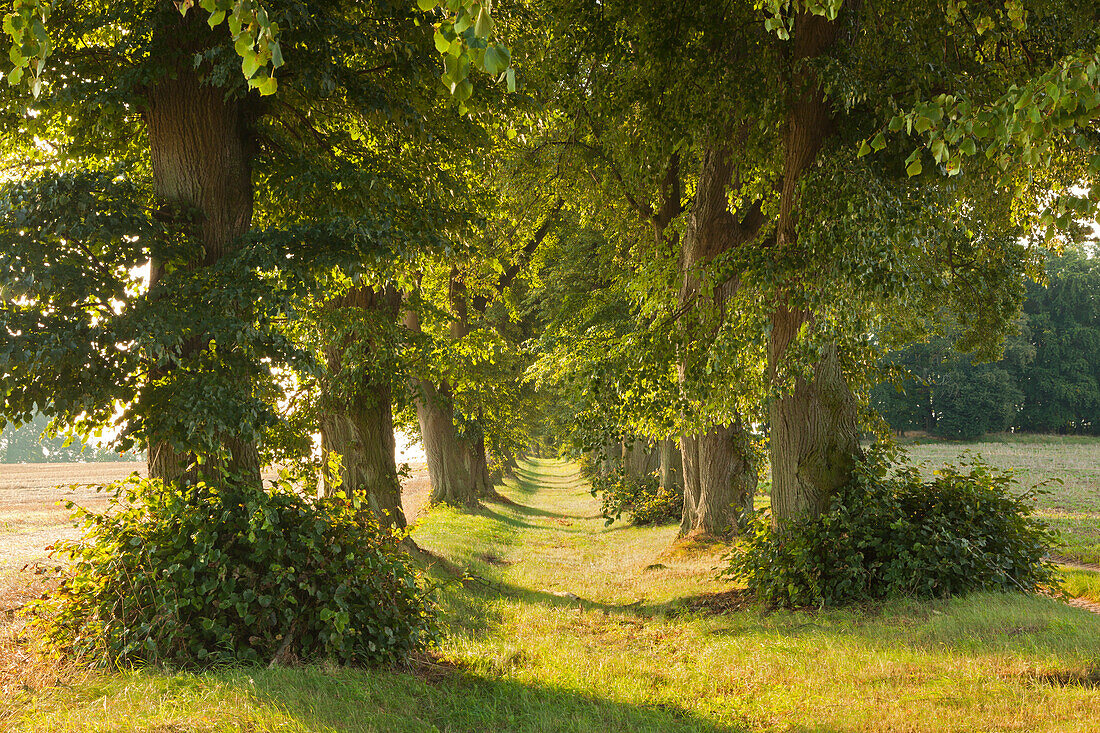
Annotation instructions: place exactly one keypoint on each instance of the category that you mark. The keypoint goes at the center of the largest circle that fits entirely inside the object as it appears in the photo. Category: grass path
(569, 625)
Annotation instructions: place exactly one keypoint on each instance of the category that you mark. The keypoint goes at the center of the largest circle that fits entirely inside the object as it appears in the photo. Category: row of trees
(1048, 379)
(769, 229)
(690, 223)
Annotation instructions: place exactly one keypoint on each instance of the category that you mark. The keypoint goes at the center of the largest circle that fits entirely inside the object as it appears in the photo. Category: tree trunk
(357, 422)
(671, 462)
(509, 464)
(471, 441)
(477, 464)
(814, 432)
(814, 438)
(447, 461)
(639, 459)
(200, 151)
(362, 434)
(719, 481)
(718, 469)
(444, 453)
(608, 455)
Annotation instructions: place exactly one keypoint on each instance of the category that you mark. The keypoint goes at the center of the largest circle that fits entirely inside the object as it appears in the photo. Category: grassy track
(567, 625)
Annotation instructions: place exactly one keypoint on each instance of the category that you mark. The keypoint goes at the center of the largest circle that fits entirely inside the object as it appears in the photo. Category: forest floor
(555, 622)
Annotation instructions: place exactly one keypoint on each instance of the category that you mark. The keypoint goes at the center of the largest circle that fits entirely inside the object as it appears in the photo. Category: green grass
(1082, 584)
(1067, 466)
(625, 652)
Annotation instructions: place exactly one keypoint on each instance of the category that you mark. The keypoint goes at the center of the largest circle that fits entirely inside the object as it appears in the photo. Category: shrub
(889, 534)
(643, 499)
(195, 575)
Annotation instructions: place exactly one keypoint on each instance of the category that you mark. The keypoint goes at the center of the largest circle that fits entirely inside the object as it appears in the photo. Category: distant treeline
(29, 444)
(1048, 380)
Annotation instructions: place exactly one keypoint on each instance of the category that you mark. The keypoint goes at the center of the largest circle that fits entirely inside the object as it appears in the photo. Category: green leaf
(426, 5)
(216, 18)
(463, 90)
(268, 86)
(243, 44)
(495, 60)
(15, 75)
(939, 151)
(511, 76)
(441, 42)
(864, 149)
(463, 21)
(250, 64)
(878, 142)
(914, 168)
(484, 25)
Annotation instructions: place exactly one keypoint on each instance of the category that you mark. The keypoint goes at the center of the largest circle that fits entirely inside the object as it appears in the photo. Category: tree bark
(814, 440)
(719, 481)
(640, 460)
(477, 464)
(471, 441)
(814, 431)
(671, 465)
(717, 464)
(200, 147)
(447, 460)
(357, 419)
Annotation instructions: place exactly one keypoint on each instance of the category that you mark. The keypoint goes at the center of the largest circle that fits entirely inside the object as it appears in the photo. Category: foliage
(1061, 385)
(34, 442)
(1046, 380)
(644, 499)
(890, 534)
(974, 399)
(195, 575)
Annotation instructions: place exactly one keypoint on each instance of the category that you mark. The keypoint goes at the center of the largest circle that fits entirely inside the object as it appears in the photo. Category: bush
(890, 534)
(196, 576)
(643, 499)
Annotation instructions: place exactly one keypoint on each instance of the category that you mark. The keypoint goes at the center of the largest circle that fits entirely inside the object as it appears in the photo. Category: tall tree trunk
(444, 453)
(639, 459)
(357, 419)
(471, 441)
(671, 463)
(814, 438)
(477, 464)
(509, 464)
(717, 465)
(719, 481)
(609, 454)
(814, 431)
(200, 151)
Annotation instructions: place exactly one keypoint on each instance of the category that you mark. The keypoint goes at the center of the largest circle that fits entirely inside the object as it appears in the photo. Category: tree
(202, 321)
(462, 387)
(835, 249)
(1061, 385)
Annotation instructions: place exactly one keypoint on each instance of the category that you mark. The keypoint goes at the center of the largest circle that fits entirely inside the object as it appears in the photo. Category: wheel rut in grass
(545, 537)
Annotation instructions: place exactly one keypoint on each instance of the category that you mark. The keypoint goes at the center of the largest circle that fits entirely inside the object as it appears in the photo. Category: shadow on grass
(451, 698)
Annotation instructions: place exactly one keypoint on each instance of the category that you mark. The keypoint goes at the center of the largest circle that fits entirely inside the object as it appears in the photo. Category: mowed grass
(1068, 466)
(554, 622)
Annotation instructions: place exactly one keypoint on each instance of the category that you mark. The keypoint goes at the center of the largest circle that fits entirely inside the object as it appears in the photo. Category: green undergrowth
(554, 622)
(1068, 466)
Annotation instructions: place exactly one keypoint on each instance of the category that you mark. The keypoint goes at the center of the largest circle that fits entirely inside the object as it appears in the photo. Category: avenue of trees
(682, 238)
